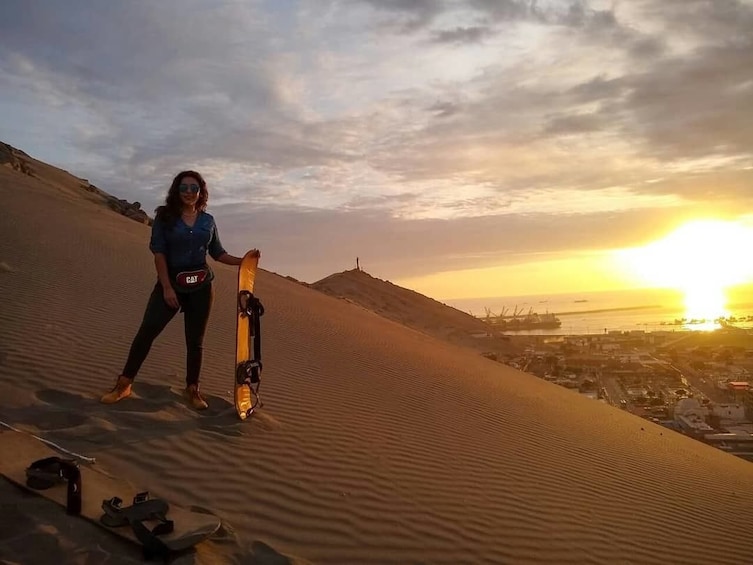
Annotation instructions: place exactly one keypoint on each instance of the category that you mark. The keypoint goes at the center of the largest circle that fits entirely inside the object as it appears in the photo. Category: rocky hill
(415, 310)
(17, 160)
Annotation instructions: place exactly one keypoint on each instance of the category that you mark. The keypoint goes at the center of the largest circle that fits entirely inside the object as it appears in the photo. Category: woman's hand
(171, 299)
(228, 259)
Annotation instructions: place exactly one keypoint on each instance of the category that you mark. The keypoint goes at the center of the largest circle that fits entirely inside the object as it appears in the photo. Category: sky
(457, 147)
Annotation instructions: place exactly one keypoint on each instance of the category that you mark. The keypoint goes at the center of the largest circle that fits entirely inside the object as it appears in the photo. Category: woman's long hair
(171, 210)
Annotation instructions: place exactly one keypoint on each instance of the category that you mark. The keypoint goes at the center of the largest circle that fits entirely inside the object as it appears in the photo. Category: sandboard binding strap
(52, 471)
(249, 372)
(151, 544)
(144, 508)
(252, 305)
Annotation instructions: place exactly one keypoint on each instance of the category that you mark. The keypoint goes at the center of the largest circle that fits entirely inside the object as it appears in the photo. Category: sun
(701, 258)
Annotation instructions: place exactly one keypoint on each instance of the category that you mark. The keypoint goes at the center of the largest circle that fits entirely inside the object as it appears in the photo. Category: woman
(182, 235)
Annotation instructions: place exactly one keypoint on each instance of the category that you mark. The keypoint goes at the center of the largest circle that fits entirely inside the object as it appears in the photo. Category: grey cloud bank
(326, 128)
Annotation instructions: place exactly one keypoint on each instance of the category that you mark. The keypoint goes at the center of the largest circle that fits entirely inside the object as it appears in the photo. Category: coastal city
(695, 383)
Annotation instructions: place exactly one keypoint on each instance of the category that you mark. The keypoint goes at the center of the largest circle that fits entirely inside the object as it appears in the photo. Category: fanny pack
(193, 280)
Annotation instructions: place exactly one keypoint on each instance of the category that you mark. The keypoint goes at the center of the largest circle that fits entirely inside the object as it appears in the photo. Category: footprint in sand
(58, 420)
(71, 401)
(46, 419)
(161, 407)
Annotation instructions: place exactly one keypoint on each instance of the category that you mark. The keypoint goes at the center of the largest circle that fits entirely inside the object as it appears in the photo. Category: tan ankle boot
(194, 397)
(121, 390)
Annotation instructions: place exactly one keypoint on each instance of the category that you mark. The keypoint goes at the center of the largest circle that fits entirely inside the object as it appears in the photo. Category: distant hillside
(414, 310)
(390, 301)
(64, 181)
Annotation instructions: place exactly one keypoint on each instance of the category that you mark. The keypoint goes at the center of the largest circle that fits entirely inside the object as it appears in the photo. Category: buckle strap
(152, 545)
(52, 471)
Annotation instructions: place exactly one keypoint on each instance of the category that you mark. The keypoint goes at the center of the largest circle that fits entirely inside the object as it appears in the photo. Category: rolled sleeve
(215, 248)
(158, 242)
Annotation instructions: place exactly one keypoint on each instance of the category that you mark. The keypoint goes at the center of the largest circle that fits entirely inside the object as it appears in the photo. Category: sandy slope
(376, 444)
(414, 310)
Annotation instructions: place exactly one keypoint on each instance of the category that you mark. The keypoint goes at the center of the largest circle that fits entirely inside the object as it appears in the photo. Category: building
(737, 390)
(747, 400)
(728, 414)
(739, 443)
(724, 416)
(691, 416)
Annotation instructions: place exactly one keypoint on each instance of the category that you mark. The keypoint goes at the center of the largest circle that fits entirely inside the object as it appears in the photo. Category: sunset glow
(701, 258)
(460, 148)
(704, 305)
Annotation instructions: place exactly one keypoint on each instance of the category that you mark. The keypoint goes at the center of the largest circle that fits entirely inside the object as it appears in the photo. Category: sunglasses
(189, 187)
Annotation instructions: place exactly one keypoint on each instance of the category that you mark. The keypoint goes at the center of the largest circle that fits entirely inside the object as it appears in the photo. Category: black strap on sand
(45, 473)
(143, 508)
(151, 544)
(51, 471)
(250, 306)
(254, 310)
(258, 312)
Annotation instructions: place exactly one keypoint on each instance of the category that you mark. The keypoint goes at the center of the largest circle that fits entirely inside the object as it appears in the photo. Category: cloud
(406, 16)
(393, 116)
(575, 123)
(632, 114)
(309, 244)
(462, 35)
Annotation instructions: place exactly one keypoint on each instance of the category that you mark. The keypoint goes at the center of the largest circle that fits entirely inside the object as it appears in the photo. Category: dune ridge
(376, 444)
(417, 311)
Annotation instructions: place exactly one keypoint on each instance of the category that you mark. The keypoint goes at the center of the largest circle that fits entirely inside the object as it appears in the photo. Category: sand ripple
(376, 444)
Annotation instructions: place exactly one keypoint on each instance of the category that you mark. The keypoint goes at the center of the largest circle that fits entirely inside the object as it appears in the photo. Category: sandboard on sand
(20, 450)
(247, 339)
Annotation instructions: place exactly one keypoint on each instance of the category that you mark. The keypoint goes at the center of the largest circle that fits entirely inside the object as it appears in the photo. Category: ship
(531, 321)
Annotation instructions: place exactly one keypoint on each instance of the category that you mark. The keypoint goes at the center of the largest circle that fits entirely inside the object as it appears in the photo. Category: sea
(646, 309)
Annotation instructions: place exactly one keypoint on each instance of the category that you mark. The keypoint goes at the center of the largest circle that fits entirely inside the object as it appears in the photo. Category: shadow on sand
(153, 411)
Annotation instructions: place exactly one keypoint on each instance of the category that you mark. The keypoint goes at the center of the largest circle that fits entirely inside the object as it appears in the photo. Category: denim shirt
(186, 247)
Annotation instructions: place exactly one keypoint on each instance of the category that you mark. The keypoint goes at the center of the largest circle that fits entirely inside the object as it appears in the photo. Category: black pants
(195, 307)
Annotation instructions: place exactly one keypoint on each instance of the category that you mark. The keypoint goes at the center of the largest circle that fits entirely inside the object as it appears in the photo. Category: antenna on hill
(358, 264)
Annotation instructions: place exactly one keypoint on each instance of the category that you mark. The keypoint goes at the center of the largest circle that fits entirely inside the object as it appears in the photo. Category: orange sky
(700, 258)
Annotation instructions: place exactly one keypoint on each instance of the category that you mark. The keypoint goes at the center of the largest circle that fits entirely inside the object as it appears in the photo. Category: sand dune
(414, 310)
(376, 444)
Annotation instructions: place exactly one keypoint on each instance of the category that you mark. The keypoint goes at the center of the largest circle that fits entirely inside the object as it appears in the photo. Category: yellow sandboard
(247, 360)
(19, 450)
